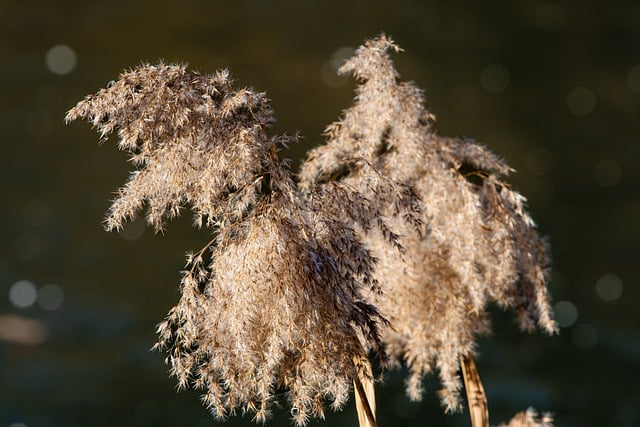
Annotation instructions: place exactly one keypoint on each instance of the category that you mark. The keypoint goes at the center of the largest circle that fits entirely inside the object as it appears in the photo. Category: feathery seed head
(481, 244)
(196, 141)
(393, 239)
(276, 301)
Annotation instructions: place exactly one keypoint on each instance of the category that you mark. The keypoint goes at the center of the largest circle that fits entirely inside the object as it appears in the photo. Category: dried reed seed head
(371, 60)
(481, 244)
(167, 100)
(289, 294)
(530, 418)
(194, 138)
(276, 302)
(280, 308)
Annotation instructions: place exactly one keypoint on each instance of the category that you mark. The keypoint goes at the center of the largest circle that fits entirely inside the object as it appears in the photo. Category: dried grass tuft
(481, 246)
(276, 302)
(393, 239)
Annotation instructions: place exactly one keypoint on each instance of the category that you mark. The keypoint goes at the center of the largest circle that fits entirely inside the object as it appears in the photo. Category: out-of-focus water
(553, 87)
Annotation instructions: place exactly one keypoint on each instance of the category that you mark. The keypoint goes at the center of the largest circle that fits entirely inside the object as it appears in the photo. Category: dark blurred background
(553, 87)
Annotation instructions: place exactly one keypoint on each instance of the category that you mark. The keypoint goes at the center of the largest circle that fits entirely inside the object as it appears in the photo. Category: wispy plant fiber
(275, 303)
(481, 245)
(393, 239)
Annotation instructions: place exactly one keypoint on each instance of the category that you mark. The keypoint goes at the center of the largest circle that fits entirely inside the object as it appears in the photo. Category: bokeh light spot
(495, 78)
(607, 173)
(623, 98)
(50, 297)
(23, 294)
(329, 70)
(581, 101)
(60, 59)
(566, 313)
(609, 287)
(633, 79)
(21, 330)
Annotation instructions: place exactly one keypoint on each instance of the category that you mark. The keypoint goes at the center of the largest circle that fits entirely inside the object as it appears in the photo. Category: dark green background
(94, 367)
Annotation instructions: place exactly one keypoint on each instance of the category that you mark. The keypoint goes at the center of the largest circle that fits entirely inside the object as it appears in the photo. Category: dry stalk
(364, 391)
(476, 398)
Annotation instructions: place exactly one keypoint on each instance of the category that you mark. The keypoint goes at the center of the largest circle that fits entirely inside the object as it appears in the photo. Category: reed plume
(481, 245)
(275, 302)
(392, 239)
(529, 418)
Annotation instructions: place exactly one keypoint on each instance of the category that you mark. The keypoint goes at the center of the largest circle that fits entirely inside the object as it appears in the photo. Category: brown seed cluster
(275, 303)
(481, 245)
(393, 239)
